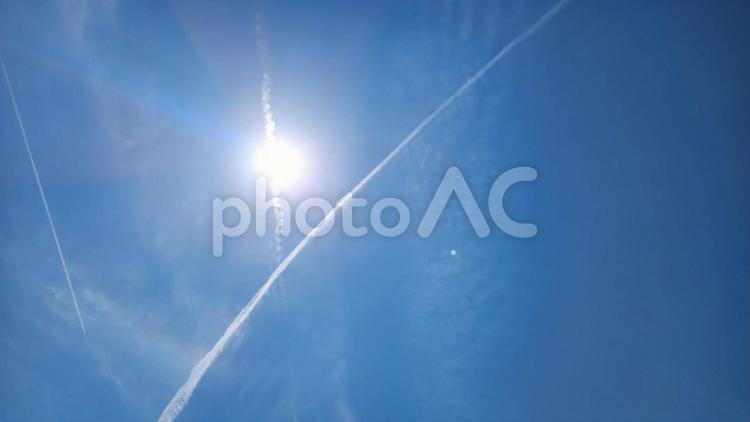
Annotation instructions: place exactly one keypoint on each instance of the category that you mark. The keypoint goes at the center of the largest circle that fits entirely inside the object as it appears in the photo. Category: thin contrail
(181, 398)
(41, 193)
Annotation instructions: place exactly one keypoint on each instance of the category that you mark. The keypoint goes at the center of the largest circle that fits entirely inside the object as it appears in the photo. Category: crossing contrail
(181, 398)
(41, 193)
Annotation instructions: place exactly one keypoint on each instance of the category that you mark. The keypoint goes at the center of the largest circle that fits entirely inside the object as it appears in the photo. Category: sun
(280, 163)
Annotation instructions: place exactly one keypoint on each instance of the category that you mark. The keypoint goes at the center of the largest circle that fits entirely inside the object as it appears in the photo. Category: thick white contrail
(269, 124)
(262, 44)
(41, 193)
(181, 398)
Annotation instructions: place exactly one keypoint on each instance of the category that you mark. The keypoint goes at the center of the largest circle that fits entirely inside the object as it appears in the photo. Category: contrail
(260, 40)
(269, 124)
(41, 193)
(181, 398)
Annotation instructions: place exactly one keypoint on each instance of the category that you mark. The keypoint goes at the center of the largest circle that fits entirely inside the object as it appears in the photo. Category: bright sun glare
(280, 163)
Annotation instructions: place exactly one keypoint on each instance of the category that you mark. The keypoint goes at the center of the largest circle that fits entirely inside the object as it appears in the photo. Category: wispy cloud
(78, 13)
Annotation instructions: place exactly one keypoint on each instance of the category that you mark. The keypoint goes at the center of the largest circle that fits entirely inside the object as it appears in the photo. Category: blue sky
(632, 302)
